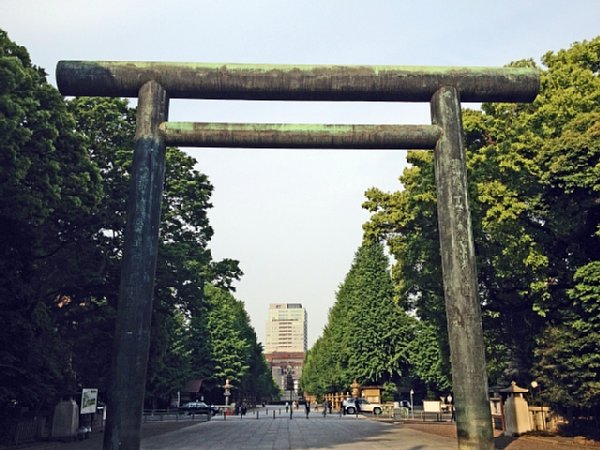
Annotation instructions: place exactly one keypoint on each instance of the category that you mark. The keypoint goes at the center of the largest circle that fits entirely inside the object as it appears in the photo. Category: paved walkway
(317, 432)
(332, 432)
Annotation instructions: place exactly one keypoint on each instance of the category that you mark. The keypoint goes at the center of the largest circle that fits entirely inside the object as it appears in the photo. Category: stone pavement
(332, 432)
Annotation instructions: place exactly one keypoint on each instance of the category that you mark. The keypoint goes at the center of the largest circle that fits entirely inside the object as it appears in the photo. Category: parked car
(198, 408)
(349, 406)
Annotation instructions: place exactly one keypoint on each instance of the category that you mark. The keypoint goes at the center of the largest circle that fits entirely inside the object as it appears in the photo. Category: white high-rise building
(286, 328)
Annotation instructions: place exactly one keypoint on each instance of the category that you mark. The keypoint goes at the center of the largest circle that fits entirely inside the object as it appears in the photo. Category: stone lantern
(516, 411)
(355, 389)
(227, 387)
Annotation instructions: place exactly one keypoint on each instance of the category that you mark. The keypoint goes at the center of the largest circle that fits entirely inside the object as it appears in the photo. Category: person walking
(307, 408)
(357, 406)
(451, 406)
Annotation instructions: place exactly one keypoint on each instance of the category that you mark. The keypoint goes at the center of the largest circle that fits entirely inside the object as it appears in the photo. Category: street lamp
(535, 385)
(289, 381)
(412, 405)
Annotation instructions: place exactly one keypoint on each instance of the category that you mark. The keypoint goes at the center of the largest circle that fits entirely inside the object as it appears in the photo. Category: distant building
(286, 328)
(286, 344)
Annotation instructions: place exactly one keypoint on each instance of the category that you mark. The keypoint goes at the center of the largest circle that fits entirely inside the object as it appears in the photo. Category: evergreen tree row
(64, 179)
(533, 172)
(534, 187)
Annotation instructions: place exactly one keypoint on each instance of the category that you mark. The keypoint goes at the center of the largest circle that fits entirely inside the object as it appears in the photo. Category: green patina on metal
(301, 82)
(376, 70)
(291, 127)
(300, 135)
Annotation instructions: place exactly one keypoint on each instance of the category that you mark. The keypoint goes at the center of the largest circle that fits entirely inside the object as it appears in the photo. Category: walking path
(318, 432)
(315, 433)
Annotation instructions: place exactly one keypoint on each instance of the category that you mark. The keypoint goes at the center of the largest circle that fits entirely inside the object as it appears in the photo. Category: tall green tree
(232, 351)
(184, 262)
(367, 335)
(406, 221)
(62, 212)
(49, 189)
(533, 186)
(569, 358)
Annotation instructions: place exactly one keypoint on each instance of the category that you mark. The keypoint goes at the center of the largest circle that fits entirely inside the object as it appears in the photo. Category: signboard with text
(89, 399)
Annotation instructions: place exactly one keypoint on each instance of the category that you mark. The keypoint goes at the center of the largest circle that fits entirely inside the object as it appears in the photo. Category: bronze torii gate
(155, 82)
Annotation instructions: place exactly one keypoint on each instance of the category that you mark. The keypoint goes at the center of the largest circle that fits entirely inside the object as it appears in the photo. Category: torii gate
(155, 82)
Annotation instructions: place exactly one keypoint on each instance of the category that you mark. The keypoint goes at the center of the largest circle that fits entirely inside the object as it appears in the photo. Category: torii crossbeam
(153, 83)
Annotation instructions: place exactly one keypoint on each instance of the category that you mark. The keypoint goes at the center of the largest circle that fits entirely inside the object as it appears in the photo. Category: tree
(184, 261)
(568, 357)
(533, 188)
(229, 350)
(62, 213)
(49, 190)
(426, 359)
(367, 334)
(407, 222)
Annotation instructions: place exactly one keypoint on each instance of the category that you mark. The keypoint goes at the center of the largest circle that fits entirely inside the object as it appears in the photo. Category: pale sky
(293, 218)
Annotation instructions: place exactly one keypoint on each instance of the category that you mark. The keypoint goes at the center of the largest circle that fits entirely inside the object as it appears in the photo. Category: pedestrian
(287, 406)
(449, 400)
(357, 406)
(307, 408)
(330, 406)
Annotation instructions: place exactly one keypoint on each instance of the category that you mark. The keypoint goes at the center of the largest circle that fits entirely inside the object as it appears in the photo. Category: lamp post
(535, 385)
(412, 405)
(289, 384)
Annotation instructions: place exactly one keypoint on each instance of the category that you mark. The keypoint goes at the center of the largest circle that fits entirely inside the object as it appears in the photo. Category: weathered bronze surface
(302, 82)
(132, 336)
(463, 311)
(190, 134)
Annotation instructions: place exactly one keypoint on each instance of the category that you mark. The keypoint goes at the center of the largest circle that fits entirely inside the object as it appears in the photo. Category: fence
(337, 398)
(173, 415)
(25, 430)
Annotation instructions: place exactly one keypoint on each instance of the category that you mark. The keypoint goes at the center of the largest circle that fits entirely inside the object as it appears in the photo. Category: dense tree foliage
(533, 174)
(49, 189)
(367, 336)
(569, 357)
(235, 353)
(65, 170)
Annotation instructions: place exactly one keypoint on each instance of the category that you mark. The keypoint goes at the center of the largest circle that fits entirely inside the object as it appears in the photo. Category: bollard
(256, 415)
(273, 414)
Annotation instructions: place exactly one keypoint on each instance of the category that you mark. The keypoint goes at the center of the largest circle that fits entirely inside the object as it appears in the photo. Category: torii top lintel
(297, 82)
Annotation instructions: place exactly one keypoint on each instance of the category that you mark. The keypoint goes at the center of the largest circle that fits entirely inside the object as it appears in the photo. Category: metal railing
(174, 415)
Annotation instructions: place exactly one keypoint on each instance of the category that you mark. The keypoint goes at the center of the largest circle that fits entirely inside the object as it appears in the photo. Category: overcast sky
(293, 218)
